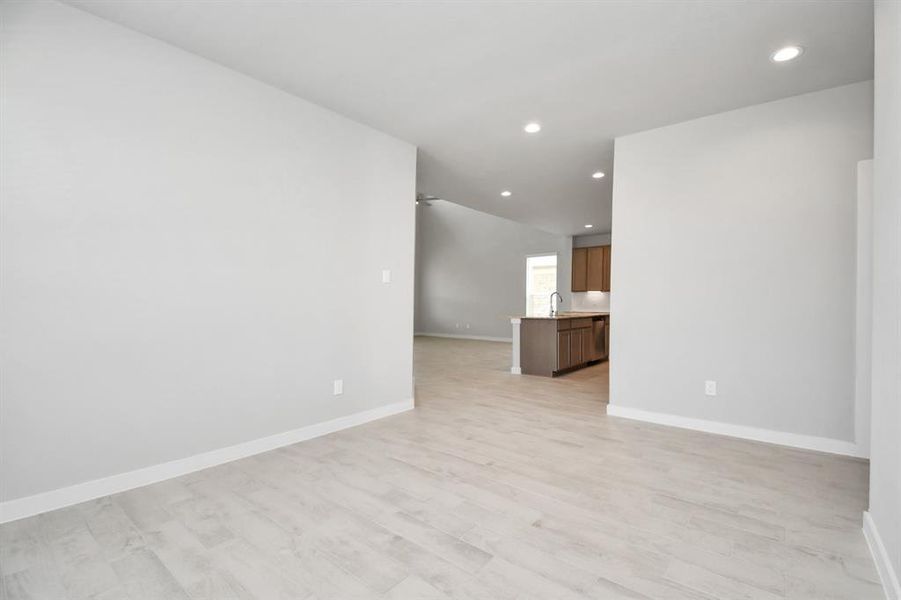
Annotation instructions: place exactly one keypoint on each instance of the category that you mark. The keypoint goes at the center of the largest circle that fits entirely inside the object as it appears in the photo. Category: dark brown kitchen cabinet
(595, 270)
(580, 270)
(552, 347)
(588, 352)
(605, 269)
(591, 269)
(564, 344)
(575, 348)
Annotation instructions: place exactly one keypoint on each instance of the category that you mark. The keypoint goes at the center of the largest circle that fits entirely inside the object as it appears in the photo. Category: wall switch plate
(710, 388)
(338, 386)
(386, 275)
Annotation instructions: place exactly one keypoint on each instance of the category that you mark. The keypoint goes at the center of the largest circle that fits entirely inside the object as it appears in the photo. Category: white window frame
(529, 272)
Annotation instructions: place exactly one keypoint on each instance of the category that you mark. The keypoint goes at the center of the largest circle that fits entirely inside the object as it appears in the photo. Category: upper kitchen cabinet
(591, 269)
(605, 272)
(580, 270)
(595, 275)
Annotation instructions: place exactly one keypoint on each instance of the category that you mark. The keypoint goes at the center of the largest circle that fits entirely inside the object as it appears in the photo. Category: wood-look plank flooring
(495, 486)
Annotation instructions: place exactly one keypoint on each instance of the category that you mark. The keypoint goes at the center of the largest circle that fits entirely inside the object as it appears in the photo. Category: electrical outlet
(386, 275)
(338, 386)
(710, 388)
(467, 326)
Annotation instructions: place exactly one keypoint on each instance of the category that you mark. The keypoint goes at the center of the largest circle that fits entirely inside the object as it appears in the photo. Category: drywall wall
(863, 306)
(189, 257)
(735, 262)
(471, 270)
(585, 241)
(885, 435)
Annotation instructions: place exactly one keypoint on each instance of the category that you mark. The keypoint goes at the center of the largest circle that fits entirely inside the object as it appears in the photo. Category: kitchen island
(552, 345)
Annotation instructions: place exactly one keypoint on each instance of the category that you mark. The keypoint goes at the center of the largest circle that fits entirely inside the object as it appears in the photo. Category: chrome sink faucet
(554, 306)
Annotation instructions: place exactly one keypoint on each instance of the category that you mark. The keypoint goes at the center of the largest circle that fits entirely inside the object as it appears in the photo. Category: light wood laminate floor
(496, 486)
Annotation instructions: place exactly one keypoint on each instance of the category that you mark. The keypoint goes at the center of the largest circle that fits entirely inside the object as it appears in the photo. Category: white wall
(885, 442)
(591, 301)
(586, 241)
(863, 306)
(471, 269)
(735, 261)
(189, 257)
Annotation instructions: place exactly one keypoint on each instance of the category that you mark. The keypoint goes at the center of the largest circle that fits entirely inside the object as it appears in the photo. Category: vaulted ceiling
(461, 79)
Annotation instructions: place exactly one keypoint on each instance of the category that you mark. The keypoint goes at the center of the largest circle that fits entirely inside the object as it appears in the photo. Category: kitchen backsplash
(589, 301)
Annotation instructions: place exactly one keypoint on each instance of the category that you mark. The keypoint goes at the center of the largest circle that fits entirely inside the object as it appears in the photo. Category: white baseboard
(516, 370)
(887, 574)
(12, 510)
(481, 338)
(782, 438)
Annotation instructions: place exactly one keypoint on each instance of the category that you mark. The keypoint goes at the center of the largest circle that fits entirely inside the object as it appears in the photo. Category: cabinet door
(580, 270)
(605, 269)
(588, 353)
(575, 348)
(563, 343)
(595, 277)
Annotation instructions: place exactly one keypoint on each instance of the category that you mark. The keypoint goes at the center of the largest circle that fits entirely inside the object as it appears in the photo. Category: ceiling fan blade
(426, 199)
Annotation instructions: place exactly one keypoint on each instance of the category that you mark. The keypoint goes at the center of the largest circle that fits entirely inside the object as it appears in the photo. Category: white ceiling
(460, 79)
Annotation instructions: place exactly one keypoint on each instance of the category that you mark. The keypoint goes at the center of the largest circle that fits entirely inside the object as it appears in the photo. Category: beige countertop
(566, 315)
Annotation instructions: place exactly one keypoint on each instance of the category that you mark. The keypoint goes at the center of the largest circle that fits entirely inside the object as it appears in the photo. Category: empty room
(450, 299)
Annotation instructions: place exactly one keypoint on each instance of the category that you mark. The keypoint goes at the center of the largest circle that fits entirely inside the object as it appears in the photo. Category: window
(541, 282)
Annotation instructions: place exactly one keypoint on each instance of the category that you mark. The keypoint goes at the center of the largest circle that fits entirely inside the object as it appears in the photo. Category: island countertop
(565, 315)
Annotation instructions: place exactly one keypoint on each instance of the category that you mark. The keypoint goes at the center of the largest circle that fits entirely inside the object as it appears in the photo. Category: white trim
(481, 338)
(887, 575)
(12, 510)
(516, 342)
(770, 436)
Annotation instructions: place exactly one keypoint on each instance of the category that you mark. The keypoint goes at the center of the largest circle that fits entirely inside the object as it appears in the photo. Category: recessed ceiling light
(598, 174)
(786, 54)
(532, 127)
(589, 226)
(506, 193)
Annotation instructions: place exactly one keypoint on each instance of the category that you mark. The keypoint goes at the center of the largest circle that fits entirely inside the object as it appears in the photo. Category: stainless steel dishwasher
(599, 327)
